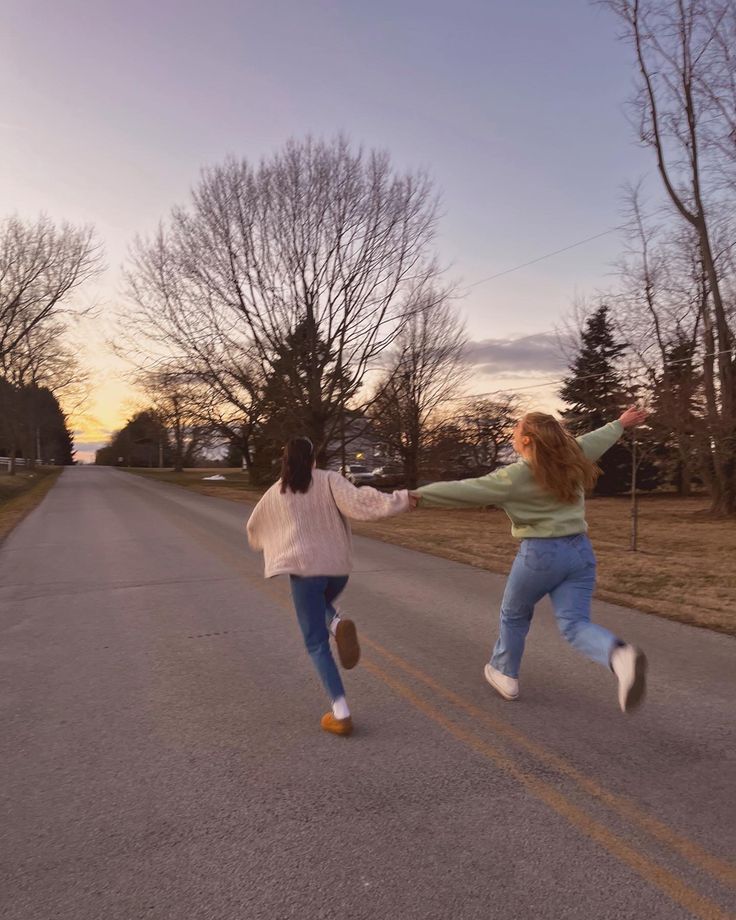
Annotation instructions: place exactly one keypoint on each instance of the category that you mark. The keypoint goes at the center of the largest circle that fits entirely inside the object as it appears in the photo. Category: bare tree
(321, 238)
(486, 427)
(684, 111)
(41, 267)
(426, 371)
(179, 403)
(43, 358)
(47, 357)
(658, 310)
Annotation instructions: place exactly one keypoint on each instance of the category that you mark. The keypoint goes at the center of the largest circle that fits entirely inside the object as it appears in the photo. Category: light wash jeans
(313, 598)
(564, 568)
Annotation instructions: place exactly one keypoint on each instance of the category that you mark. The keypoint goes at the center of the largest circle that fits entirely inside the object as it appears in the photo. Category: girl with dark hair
(302, 526)
(544, 496)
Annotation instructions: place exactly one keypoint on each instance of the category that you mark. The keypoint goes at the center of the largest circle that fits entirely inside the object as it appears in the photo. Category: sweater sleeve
(365, 503)
(253, 526)
(493, 489)
(596, 443)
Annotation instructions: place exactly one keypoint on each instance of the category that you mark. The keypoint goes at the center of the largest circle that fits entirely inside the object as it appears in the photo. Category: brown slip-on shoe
(336, 726)
(348, 647)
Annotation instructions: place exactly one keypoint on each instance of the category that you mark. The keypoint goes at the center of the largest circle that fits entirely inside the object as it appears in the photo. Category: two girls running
(301, 524)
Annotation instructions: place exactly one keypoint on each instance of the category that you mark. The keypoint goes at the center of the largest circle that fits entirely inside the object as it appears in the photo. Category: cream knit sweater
(307, 533)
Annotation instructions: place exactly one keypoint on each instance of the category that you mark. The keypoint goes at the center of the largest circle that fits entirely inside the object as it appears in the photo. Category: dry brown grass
(21, 493)
(685, 569)
(236, 485)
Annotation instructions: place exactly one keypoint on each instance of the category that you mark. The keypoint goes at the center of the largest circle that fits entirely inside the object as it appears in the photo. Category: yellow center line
(719, 869)
(647, 868)
(643, 865)
(698, 905)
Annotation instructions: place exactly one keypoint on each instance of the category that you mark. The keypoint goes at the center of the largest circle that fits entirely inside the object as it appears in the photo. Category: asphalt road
(162, 758)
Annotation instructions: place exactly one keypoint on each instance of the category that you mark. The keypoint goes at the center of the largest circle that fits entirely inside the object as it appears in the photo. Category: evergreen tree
(304, 394)
(142, 442)
(33, 425)
(50, 435)
(596, 394)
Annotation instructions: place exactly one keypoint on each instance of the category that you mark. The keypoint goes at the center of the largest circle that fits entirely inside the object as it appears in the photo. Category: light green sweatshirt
(533, 512)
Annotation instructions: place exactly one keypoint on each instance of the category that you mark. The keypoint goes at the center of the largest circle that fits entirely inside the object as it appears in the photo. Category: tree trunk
(634, 543)
(684, 479)
(411, 470)
(684, 471)
(318, 437)
(726, 503)
(721, 410)
(178, 450)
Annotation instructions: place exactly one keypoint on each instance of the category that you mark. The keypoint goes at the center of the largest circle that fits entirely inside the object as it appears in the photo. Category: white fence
(19, 461)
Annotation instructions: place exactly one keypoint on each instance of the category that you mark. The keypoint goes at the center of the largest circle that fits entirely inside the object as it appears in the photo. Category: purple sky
(516, 109)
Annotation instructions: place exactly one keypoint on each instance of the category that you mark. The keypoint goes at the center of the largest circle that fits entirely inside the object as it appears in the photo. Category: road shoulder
(21, 493)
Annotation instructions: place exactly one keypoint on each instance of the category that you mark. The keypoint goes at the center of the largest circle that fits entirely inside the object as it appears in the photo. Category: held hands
(633, 417)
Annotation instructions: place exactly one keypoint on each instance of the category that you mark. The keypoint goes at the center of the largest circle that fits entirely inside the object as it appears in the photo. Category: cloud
(90, 428)
(541, 353)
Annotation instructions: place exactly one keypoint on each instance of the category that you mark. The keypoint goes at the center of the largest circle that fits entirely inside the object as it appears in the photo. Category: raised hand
(632, 417)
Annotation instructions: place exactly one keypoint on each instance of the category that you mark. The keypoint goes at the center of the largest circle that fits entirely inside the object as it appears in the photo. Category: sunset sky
(516, 109)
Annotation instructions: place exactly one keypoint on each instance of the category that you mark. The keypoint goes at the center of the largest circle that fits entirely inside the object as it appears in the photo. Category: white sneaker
(507, 687)
(629, 664)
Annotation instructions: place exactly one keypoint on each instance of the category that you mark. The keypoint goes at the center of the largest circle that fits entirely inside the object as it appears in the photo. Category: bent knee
(516, 615)
(318, 646)
(571, 628)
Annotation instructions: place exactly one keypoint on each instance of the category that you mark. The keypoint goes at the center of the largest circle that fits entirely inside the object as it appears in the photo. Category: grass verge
(21, 493)
(235, 487)
(683, 571)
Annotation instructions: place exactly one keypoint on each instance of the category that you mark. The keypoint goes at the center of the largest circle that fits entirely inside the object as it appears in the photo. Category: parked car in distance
(357, 474)
(390, 475)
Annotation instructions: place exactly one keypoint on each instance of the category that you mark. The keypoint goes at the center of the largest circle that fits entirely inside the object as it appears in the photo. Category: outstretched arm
(492, 489)
(596, 443)
(365, 503)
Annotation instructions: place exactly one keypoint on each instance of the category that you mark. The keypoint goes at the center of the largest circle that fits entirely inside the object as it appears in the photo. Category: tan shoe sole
(335, 726)
(499, 690)
(348, 647)
(635, 693)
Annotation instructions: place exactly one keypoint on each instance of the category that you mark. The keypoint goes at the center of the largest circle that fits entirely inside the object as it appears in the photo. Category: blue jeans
(564, 568)
(313, 598)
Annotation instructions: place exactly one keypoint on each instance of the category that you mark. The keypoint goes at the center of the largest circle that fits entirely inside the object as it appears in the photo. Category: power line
(560, 380)
(548, 255)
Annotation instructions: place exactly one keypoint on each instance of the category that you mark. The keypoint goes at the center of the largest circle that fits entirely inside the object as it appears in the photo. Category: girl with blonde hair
(544, 496)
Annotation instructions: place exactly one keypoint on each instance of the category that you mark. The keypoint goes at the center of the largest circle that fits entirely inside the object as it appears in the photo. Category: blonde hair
(557, 461)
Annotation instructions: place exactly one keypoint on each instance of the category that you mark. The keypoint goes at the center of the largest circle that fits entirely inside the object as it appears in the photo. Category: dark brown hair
(296, 465)
(556, 459)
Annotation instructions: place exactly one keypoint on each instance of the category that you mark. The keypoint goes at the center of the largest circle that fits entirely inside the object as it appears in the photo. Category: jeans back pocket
(539, 555)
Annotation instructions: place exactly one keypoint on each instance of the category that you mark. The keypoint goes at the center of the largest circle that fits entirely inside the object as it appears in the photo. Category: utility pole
(633, 544)
(342, 444)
